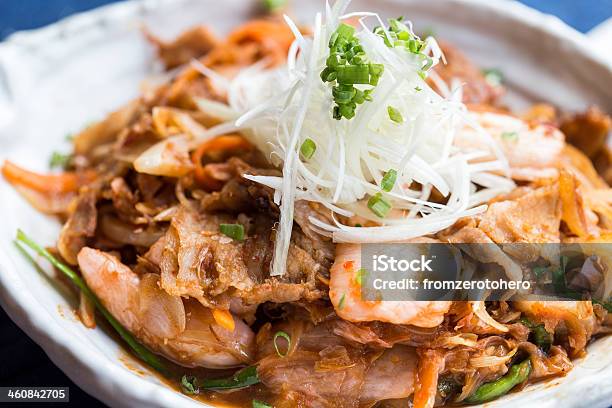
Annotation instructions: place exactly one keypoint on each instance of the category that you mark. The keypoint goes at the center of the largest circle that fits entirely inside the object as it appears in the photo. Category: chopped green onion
(274, 5)
(140, 350)
(395, 115)
(418, 88)
(358, 225)
(353, 74)
(493, 76)
(59, 160)
(259, 404)
(509, 136)
(388, 180)
(347, 65)
(344, 32)
(234, 231)
(284, 336)
(379, 205)
(376, 69)
(361, 273)
(428, 63)
(189, 385)
(341, 302)
(308, 148)
(400, 35)
(328, 75)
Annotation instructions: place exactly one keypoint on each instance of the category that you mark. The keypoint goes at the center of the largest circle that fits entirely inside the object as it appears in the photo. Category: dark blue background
(23, 14)
(21, 361)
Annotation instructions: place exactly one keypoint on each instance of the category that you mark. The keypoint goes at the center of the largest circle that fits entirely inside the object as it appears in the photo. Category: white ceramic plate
(55, 80)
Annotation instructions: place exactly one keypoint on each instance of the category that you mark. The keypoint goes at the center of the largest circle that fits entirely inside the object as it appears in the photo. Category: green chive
(395, 115)
(388, 181)
(259, 404)
(378, 205)
(341, 302)
(308, 148)
(59, 160)
(284, 336)
(140, 350)
(234, 231)
(418, 88)
(509, 135)
(274, 5)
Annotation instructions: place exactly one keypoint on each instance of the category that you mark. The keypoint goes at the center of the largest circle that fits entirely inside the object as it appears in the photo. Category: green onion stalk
(241, 379)
(140, 350)
(517, 374)
(190, 385)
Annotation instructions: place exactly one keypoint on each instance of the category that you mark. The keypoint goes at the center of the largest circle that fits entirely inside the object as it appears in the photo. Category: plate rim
(117, 383)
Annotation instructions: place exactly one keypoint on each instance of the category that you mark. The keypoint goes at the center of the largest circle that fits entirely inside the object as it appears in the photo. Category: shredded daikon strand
(492, 361)
(214, 76)
(478, 307)
(283, 236)
(462, 339)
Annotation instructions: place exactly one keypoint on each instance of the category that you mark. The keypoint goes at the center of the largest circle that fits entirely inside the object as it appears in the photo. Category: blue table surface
(25, 14)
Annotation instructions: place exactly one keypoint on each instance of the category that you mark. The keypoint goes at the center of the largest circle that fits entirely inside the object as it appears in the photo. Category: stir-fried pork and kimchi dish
(216, 223)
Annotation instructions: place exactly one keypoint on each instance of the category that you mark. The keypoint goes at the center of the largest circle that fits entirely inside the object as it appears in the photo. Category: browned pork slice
(321, 369)
(534, 217)
(588, 131)
(200, 262)
(80, 226)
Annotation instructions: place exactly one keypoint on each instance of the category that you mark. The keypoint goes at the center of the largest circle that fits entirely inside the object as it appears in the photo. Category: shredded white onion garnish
(479, 309)
(281, 108)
